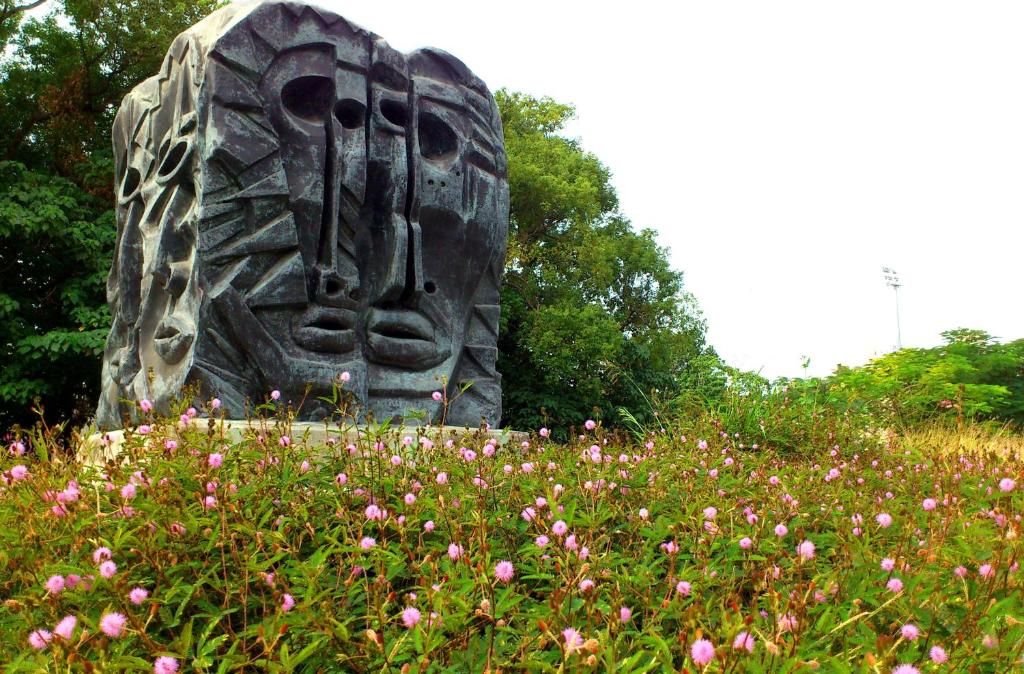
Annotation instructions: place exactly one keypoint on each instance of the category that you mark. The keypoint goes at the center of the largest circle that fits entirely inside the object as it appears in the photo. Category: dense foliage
(969, 378)
(593, 316)
(62, 76)
(685, 551)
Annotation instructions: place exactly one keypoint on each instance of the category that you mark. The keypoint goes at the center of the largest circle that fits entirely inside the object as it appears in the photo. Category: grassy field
(686, 549)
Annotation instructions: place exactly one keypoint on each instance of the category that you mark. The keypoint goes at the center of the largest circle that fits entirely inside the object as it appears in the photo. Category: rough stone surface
(98, 448)
(297, 199)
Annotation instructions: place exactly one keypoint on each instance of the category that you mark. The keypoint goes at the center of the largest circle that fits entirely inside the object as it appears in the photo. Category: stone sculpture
(296, 199)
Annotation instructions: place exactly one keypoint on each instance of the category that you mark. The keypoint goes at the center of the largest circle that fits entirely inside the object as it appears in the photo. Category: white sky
(786, 151)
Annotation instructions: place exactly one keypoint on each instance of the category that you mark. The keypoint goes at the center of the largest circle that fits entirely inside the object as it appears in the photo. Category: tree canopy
(593, 315)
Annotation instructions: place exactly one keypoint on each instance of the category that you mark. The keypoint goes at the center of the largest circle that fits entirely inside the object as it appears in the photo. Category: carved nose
(335, 290)
(404, 268)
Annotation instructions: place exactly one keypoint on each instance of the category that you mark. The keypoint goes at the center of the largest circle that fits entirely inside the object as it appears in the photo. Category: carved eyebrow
(357, 68)
(386, 75)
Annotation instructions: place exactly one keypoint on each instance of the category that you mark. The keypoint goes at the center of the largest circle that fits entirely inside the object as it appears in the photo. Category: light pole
(892, 280)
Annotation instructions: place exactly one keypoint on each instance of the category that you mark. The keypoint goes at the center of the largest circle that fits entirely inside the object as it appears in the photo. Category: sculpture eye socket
(395, 112)
(438, 140)
(350, 113)
(130, 184)
(308, 97)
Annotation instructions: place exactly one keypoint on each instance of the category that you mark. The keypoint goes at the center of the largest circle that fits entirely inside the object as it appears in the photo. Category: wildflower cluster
(380, 550)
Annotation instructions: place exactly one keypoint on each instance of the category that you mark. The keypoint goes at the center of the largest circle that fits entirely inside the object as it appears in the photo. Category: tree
(970, 375)
(593, 315)
(61, 80)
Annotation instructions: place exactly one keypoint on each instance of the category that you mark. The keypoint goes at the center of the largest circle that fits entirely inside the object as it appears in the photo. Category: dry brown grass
(969, 439)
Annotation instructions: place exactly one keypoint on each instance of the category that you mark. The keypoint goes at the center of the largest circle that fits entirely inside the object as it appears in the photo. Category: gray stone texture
(297, 199)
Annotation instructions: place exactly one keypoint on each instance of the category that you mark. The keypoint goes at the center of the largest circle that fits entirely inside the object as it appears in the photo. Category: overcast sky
(786, 151)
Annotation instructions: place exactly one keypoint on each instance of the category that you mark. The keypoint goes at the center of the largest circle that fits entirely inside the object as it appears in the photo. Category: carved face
(327, 204)
(317, 105)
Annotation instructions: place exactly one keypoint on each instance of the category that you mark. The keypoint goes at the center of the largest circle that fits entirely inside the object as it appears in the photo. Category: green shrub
(321, 558)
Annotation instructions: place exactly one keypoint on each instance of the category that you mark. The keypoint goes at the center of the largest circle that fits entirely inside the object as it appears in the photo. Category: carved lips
(403, 337)
(326, 329)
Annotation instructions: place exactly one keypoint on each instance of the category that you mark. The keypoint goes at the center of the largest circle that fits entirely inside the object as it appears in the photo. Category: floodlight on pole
(892, 280)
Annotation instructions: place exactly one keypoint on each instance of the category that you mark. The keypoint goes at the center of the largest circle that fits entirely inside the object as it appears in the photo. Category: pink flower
(374, 513)
(910, 632)
(781, 530)
(702, 651)
(989, 642)
(586, 585)
(108, 569)
(215, 403)
(644, 514)
(787, 623)
(684, 588)
(442, 478)
(128, 492)
(165, 665)
(625, 614)
(906, 669)
(888, 564)
(345, 376)
(66, 627)
(454, 551)
(210, 502)
(541, 541)
(884, 520)
(894, 584)
(19, 472)
(284, 441)
(504, 571)
(366, 543)
(138, 595)
(287, 602)
(396, 460)
(100, 554)
(437, 396)
(986, 571)
(805, 550)
(145, 429)
(112, 624)
(146, 405)
(929, 504)
(938, 655)
(1007, 484)
(275, 395)
(746, 543)
(39, 639)
(573, 640)
(544, 432)
(744, 641)
(559, 528)
(215, 460)
(710, 512)
(428, 526)
(54, 584)
(410, 617)
(960, 572)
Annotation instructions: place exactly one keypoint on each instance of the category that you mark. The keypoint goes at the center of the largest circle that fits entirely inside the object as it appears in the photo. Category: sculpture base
(101, 447)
